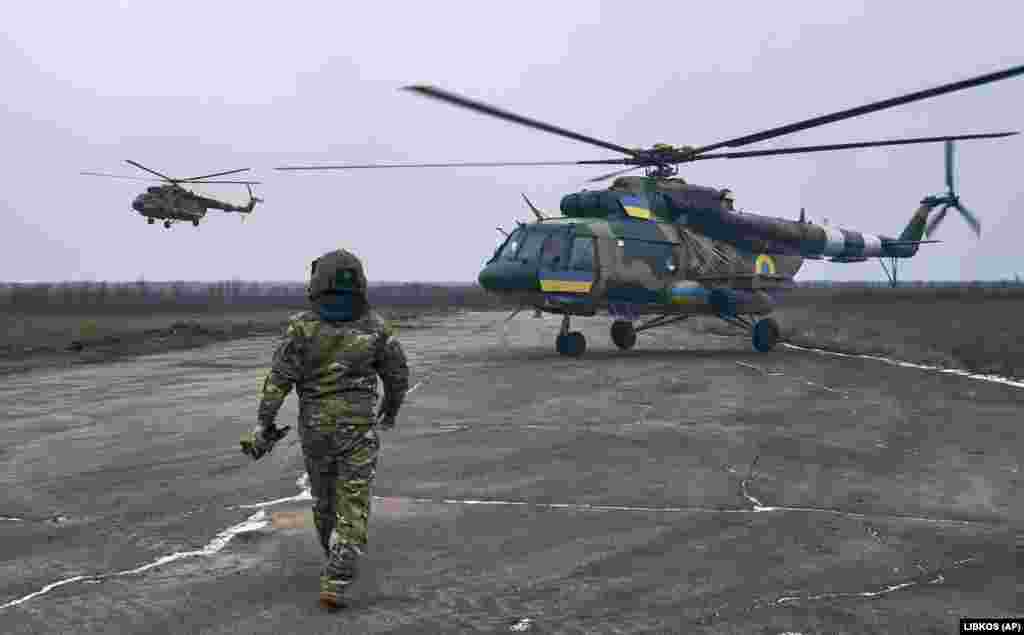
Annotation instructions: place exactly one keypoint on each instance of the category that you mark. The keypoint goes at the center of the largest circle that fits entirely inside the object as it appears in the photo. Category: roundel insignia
(764, 265)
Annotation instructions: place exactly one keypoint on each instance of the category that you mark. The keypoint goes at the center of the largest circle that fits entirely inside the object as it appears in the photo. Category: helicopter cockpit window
(659, 256)
(552, 251)
(508, 251)
(530, 251)
(582, 258)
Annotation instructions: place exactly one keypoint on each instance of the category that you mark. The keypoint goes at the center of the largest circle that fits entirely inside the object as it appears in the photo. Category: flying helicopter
(172, 202)
(659, 248)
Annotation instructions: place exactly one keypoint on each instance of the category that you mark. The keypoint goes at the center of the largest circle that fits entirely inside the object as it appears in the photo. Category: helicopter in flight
(173, 203)
(660, 248)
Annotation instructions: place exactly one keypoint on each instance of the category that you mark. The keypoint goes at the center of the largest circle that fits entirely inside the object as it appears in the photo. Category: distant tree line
(242, 295)
(225, 295)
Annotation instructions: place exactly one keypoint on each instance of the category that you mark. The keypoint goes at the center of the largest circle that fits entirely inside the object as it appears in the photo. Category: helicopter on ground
(655, 245)
(172, 202)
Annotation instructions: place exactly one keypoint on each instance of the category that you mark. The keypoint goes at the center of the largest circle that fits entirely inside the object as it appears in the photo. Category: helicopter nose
(488, 279)
(137, 205)
(509, 276)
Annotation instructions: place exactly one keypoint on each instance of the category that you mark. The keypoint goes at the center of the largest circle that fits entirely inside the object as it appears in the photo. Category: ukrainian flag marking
(636, 206)
(688, 294)
(764, 265)
(549, 285)
(566, 281)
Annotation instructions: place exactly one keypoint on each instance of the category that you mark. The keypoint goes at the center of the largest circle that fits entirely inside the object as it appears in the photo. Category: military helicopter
(655, 245)
(173, 203)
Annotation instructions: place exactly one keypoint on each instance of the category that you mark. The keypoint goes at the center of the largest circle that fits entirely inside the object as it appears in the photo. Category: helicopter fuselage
(165, 203)
(631, 267)
(667, 247)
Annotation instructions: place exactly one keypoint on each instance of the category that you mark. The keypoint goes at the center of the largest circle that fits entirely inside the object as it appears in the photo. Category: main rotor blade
(971, 219)
(142, 167)
(847, 146)
(206, 176)
(352, 166)
(603, 177)
(458, 100)
(863, 110)
(234, 182)
(121, 176)
(950, 182)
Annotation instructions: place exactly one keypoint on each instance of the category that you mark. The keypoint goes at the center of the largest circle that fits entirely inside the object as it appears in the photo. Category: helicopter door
(566, 264)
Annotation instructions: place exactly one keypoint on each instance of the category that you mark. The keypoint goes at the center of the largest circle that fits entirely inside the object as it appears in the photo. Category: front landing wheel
(623, 334)
(766, 335)
(571, 344)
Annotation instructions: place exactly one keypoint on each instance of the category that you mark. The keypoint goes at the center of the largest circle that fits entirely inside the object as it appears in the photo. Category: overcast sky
(205, 87)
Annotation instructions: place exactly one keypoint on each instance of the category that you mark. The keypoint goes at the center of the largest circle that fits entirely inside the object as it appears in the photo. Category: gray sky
(215, 86)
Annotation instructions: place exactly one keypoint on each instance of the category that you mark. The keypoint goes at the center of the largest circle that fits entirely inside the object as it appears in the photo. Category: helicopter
(654, 250)
(172, 202)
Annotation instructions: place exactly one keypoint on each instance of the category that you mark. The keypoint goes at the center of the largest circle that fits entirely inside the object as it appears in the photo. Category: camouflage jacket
(334, 367)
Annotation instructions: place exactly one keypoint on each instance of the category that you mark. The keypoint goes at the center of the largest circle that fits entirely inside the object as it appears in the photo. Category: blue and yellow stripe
(636, 206)
(691, 293)
(566, 281)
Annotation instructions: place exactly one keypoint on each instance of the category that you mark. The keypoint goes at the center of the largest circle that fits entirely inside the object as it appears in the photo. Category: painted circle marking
(764, 265)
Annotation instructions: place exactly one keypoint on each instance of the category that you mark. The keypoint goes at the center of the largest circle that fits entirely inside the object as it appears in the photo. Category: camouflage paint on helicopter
(172, 202)
(657, 244)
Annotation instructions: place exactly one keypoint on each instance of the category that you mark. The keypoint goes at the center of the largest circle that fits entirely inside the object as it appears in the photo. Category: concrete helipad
(689, 485)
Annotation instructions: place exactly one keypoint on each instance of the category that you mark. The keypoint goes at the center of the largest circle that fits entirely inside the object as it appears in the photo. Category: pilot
(728, 200)
(333, 355)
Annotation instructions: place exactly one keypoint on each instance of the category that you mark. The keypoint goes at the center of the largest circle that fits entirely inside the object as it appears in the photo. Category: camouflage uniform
(334, 365)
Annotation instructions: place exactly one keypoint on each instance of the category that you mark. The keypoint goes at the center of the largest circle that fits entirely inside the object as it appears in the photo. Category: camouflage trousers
(340, 487)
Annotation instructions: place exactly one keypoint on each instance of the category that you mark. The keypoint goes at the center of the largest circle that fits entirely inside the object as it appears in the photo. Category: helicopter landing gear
(150, 220)
(765, 334)
(167, 224)
(568, 343)
(623, 334)
(195, 222)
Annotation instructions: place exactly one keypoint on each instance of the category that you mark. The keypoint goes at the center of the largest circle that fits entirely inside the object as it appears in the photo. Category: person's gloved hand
(385, 420)
(260, 441)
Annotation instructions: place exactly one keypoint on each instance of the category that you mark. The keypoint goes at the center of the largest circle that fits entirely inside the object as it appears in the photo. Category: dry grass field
(972, 328)
(980, 330)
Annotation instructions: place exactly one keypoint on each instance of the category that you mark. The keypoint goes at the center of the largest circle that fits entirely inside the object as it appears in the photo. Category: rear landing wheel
(571, 344)
(766, 335)
(623, 334)
(167, 224)
(195, 222)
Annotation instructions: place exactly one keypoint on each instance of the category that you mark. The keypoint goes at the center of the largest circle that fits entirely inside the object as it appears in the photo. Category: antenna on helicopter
(536, 212)
(803, 217)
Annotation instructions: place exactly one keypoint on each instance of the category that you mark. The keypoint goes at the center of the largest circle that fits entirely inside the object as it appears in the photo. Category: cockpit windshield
(511, 246)
(530, 251)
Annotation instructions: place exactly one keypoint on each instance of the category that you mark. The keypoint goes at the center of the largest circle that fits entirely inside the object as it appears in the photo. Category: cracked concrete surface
(667, 488)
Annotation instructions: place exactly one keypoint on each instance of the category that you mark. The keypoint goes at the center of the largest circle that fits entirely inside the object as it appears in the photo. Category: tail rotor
(252, 202)
(951, 199)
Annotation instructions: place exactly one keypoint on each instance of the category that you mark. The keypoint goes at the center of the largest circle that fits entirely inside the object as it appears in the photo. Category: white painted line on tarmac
(254, 522)
(757, 506)
(778, 374)
(867, 594)
(221, 540)
(996, 379)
